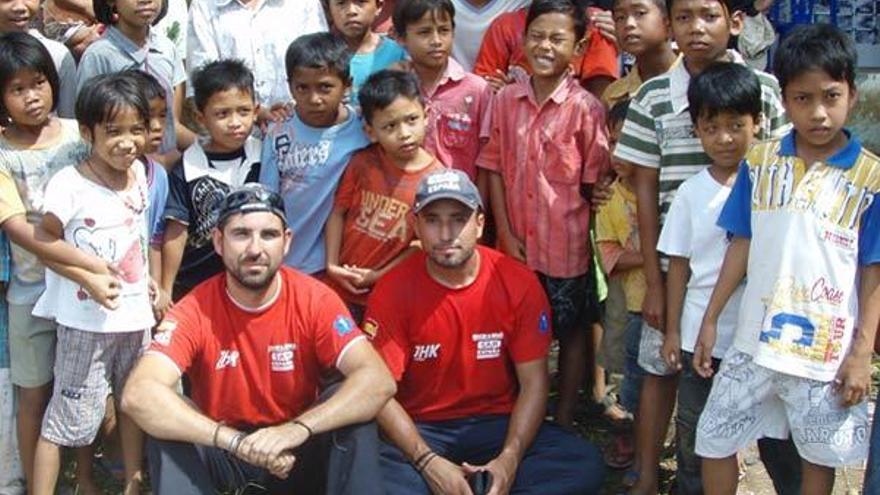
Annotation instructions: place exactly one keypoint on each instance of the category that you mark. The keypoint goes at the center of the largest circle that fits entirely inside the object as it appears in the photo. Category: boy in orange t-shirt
(371, 227)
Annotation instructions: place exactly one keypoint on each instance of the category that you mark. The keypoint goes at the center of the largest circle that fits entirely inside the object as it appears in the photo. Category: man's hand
(510, 245)
(104, 288)
(671, 350)
(601, 192)
(498, 80)
(264, 447)
(446, 478)
(503, 469)
(347, 278)
(703, 348)
(653, 307)
(853, 381)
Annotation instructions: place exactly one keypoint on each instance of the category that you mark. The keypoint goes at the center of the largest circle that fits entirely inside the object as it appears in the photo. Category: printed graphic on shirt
(343, 325)
(281, 356)
(102, 242)
(370, 327)
(296, 160)
(488, 344)
(382, 217)
(228, 359)
(164, 332)
(543, 322)
(206, 192)
(425, 352)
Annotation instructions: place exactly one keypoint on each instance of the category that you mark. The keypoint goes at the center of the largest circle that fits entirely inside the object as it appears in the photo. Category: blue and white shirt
(811, 226)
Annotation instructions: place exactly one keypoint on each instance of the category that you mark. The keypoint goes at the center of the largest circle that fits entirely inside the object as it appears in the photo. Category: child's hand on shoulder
(498, 80)
(346, 278)
(160, 300)
(278, 112)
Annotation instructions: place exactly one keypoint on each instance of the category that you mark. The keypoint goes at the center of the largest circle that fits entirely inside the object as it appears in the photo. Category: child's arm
(162, 301)
(185, 137)
(507, 242)
(854, 376)
(333, 242)
(172, 253)
(676, 286)
(102, 286)
(645, 182)
(733, 270)
(50, 248)
(369, 277)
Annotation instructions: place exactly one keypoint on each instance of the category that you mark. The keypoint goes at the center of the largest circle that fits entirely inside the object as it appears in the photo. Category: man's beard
(456, 261)
(254, 282)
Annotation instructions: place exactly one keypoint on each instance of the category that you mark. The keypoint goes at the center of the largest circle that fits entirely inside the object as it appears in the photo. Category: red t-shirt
(256, 367)
(453, 351)
(378, 197)
(502, 49)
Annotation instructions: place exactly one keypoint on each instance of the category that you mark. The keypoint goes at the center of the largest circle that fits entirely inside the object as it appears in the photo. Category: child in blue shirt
(353, 21)
(304, 156)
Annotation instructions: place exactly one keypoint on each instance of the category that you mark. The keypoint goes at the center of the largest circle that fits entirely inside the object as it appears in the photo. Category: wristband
(235, 442)
(421, 458)
(308, 430)
(216, 433)
(424, 465)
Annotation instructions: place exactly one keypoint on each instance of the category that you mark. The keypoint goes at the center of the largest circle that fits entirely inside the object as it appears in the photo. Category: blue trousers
(557, 462)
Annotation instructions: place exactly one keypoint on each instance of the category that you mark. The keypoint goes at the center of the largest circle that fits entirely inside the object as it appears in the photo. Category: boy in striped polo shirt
(658, 138)
(804, 221)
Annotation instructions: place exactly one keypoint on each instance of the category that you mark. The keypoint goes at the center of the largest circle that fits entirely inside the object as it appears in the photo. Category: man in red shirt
(255, 342)
(465, 331)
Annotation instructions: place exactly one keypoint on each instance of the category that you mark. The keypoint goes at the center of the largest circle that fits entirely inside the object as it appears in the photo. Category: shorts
(748, 402)
(650, 347)
(612, 351)
(91, 366)
(573, 302)
(31, 347)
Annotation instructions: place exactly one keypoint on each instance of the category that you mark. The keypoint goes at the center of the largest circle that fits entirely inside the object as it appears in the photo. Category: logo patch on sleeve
(164, 331)
(370, 327)
(543, 322)
(343, 325)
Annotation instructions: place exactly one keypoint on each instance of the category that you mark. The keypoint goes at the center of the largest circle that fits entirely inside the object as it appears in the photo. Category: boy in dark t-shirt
(224, 97)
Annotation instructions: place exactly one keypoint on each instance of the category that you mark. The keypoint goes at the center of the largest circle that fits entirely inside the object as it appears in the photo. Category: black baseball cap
(447, 184)
(250, 198)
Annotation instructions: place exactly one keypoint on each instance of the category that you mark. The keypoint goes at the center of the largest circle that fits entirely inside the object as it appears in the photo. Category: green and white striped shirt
(658, 131)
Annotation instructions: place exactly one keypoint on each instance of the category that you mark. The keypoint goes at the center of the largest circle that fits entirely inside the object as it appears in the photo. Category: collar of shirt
(680, 78)
(523, 89)
(136, 53)
(453, 72)
(233, 3)
(845, 158)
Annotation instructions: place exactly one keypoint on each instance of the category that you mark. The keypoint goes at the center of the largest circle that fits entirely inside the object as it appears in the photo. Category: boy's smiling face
(429, 40)
(318, 94)
(353, 18)
(16, 15)
(818, 107)
(702, 29)
(551, 43)
(399, 128)
(640, 25)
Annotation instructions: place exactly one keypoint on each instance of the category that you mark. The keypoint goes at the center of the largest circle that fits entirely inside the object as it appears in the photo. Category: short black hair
(383, 87)
(319, 51)
(816, 47)
(730, 6)
(151, 86)
(104, 96)
(660, 4)
(21, 51)
(104, 10)
(617, 112)
(724, 87)
(408, 12)
(566, 7)
(221, 75)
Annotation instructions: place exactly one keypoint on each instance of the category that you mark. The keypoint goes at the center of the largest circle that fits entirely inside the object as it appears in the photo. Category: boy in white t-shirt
(725, 104)
(100, 206)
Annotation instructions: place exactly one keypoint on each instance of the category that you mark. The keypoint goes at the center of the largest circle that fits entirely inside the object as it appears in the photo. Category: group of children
(123, 219)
